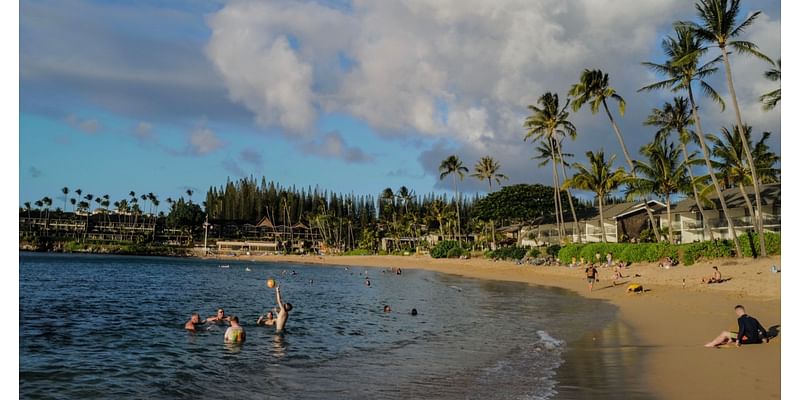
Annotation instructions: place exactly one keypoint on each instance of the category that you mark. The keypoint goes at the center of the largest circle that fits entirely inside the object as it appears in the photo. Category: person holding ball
(283, 311)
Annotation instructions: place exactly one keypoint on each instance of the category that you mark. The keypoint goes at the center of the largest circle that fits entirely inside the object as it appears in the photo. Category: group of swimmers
(235, 333)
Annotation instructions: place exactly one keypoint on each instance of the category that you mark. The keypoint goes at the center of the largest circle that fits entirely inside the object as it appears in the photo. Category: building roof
(265, 223)
(770, 195)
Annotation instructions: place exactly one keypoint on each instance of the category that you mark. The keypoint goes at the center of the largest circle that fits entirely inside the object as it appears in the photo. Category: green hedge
(688, 253)
(447, 248)
(357, 252)
(508, 253)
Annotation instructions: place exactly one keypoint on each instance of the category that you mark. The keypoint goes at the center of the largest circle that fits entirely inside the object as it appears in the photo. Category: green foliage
(508, 253)
(534, 252)
(456, 252)
(442, 249)
(708, 250)
(553, 250)
(750, 245)
(515, 203)
(185, 215)
(357, 252)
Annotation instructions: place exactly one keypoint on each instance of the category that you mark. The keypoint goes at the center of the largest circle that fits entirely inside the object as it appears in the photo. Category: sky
(351, 96)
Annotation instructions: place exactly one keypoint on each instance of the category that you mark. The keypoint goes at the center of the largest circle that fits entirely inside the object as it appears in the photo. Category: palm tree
(89, 198)
(718, 26)
(28, 208)
(676, 117)
(73, 201)
(600, 178)
(772, 98)
(453, 166)
(47, 202)
(682, 70)
(189, 192)
(593, 88)
(79, 192)
(664, 174)
(65, 190)
(546, 153)
(731, 166)
(550, 122)
(488, 169)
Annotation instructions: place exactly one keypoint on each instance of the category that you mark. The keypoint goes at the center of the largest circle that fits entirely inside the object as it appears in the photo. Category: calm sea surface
(112, 327)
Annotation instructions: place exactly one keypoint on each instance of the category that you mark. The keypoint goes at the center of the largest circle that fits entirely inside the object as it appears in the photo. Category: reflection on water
(102, 326)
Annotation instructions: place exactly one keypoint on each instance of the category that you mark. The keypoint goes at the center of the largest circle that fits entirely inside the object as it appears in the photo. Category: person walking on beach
(191, 324)
(750, 331)
(591, 276)
(283, 311)
(235, 332)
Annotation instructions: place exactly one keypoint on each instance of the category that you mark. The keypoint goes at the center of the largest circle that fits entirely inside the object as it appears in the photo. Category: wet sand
(671, 321)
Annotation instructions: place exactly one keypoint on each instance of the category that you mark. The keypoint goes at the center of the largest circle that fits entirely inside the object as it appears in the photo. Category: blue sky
(160, 97)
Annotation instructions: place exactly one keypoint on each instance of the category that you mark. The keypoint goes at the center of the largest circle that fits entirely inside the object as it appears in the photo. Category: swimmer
(191, 324)
(399, 271)
(268, 321)
(219, 317)
(367, 283)
(387, 309)
(283, 312)
(414, 312)
(235, 333)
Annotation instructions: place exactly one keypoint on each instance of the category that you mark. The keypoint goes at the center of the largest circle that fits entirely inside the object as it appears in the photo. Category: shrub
(455, 252)
(442, 249)
(534, 252)
(509, 253)
(750, 242)
(553, 250)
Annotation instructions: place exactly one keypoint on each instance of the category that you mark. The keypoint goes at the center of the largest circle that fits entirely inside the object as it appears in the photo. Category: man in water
(387, 309)
(268, 321)
(219, 317)
(414, 312)
(235, 332)
(750, 331)
(191, 324)
(283, 311)
(591, 276)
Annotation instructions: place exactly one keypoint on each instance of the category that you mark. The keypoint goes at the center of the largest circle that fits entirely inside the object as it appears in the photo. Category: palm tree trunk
(561, 230)
(706, 228)
(749, 204)
(458, 214)
(602, 220)
(704, 148)
(569, 195)
(630, 165)
(757, 218)
(669, 219)
(556, 196)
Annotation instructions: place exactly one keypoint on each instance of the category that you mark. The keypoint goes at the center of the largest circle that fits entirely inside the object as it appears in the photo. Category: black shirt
(750, 327)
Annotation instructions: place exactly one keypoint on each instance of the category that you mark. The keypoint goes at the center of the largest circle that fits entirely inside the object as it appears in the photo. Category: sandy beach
(672, 320)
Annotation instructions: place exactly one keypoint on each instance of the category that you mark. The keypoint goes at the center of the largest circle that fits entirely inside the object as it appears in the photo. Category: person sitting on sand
(283, 311)
(617, 273)
(591, 276)
(667, 263)
(716, 277)
(750, 331)
(268, 321)
(220, 317)
(235, 332)
(191, 324)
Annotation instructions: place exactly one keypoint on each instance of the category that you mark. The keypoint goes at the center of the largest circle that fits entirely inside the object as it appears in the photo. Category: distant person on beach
(220, 317)
(617, 273)
(268, 321)
(591, 276)
(609, 259)
(597, 257)
(750, 331)
(235, 332)
(283, 311)
(716, 277)
(191, 324)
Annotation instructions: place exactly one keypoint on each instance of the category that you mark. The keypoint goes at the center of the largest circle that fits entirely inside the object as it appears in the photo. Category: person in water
(750, 331)
(220, 317)
(414, 312)
(387, 309)
(283, 311)
(268, 321)
(235, 332)
(191, 324)
(591, 276)
(716, 277)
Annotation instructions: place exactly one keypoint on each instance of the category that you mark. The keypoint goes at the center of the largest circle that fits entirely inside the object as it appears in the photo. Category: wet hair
(413, 311)
(738, 306)
(219, 310)
(386, 308)
(287, 307)
(194, 314)
(715, 268)
(235, 319)
(270, 314)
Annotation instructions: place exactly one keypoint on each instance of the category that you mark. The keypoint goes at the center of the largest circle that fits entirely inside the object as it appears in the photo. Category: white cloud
(202, 141)
(332, 145)
(461, 70)
(88, 126)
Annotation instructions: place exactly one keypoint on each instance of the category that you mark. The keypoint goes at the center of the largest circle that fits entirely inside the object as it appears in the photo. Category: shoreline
(671, 321)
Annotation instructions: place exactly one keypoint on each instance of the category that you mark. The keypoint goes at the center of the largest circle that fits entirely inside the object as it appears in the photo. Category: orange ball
(270, 283)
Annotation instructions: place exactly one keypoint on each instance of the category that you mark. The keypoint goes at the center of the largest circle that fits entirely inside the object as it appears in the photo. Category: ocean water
(112, 327)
